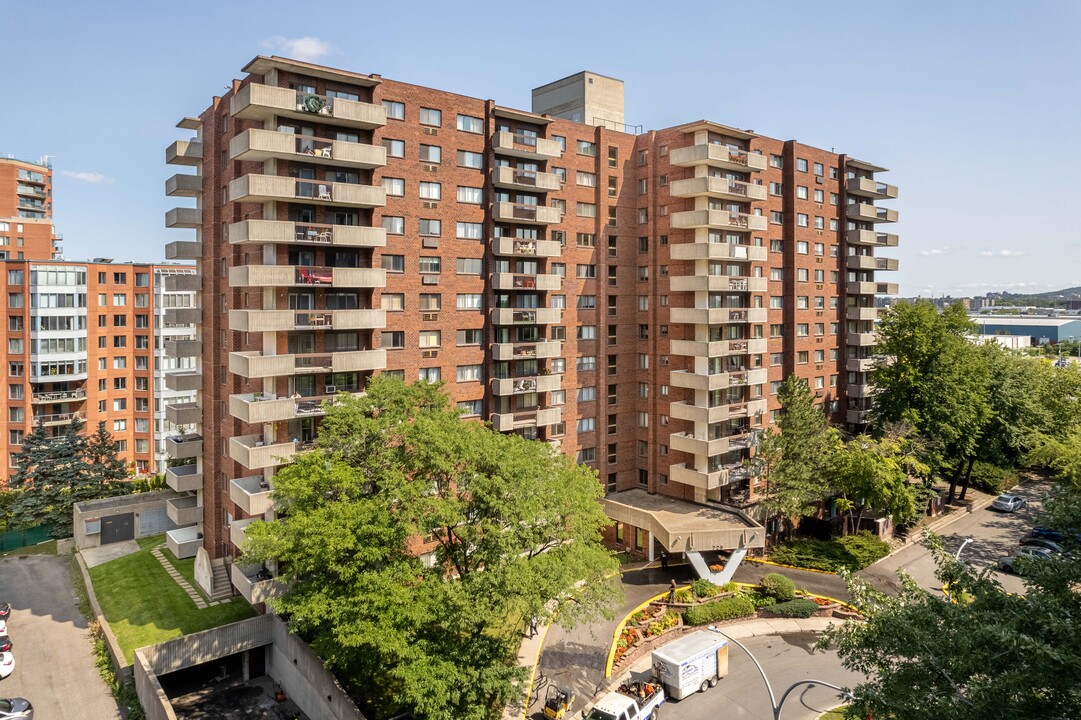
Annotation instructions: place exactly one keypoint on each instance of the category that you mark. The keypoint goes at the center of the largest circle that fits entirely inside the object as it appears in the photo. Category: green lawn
(145, 606)
(853, 552)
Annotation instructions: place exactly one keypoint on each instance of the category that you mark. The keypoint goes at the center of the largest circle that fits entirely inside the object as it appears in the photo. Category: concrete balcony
(707, 480)
(865, 339)
(870, 262)
(718, 348)
(183, 447)
(718, 156)
(871, 288)
(261, 145)
(184, 185)
(523, 385)
(55, 419)
(717, 187)
(182, 316)
(870, 238)
(188, 413)
(505, 422)
(255, 583)
(869, 187)
(718, 220)
(858, 417)
(718, 283)
(187, 282)
(257, 365)
(184, 510)
(717, 381)
(255, 454)
(278, 188)
(710, 447)
(259, 408)
(527, 351)
(282, 232)
(237, 529)
(858, 390)
(184, 478)
(58, 396)
(718, 316)
(525, 214)
(866, 212)
(529, 180)
(527, 147)
(860, 365)
(182, 218)
(255, 101)
(183, 348)
(535, 316)
(184, 380)
(512, 281)
(184, 542)
(709, 415)
(251, 494)
(718, 251)
(283, 320)
(306, 276)
(185, 152)
(526, 248)
(861, 313)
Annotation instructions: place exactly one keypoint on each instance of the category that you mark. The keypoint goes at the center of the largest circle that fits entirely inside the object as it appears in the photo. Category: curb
(934, 526)
(124, 671)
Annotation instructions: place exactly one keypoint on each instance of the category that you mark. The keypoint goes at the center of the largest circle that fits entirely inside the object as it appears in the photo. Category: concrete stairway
(223, 585)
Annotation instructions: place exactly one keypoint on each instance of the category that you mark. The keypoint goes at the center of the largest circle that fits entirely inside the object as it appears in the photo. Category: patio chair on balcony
(324, 192)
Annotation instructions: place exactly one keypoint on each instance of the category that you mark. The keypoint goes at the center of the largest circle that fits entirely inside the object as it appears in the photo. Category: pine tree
(104, 465)
(36, 451)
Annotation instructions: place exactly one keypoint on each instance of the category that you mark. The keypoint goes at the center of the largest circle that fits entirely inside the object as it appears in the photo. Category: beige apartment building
(633, 298)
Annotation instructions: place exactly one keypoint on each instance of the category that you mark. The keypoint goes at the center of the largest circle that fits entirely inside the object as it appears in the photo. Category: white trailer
(691, 664)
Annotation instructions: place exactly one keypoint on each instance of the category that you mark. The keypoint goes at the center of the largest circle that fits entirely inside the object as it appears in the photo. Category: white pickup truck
(635, 701)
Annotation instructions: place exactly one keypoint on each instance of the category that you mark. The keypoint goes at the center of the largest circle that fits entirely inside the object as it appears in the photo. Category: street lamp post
(774, 705)
(957, 557)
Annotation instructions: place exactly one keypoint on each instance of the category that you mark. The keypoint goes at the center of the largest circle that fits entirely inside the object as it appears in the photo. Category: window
(820, 222)
(430, 302)
(802, 219)
(395, 110)
(820, 249)
(776, 217)
(469, 373)
(470, 337)
(120, 300)
(776, 274)
(587, 332)
(585, 394)
(430, 264)
(643, 215)
(395, 148)
(802, 357)
(776, 302)
(394, 187)
(120, 341)
(394, 225)
(586, 240)
(776, 161)
(586, 271)
(586, 210)
(586, 362)
(560, 173)
(429, 116)
(801, 164)
(392, 339)
(587, 424)
(468, 266)
(469, 231)
(393, 263)
(587, 302)
(801, 302)
(776, 188)
(431, 153)
(820, 196)
(471, 301)
(802, 329)
(585, 147)
(802, 247)
(819, 169)
(430, 375)
(470, 159)
(470, 124)
(801, 192)
(431, 191)
(586, 455)
(470, 195)
(392, 302)
(586, 179)
(430, 227)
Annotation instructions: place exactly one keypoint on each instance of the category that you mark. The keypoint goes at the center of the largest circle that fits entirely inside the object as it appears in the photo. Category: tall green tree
(932, 378)
(511, 528)
(104, 463)
(988, 654)
(799, 454)
(870, 474)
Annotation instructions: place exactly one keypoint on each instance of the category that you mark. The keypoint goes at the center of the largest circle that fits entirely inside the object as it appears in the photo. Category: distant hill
(1073, 293)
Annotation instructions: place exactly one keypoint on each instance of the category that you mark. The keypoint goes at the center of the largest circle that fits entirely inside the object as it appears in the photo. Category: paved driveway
(54, 661)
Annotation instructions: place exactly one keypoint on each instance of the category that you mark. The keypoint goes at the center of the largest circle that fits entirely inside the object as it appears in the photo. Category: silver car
(1008, 503)
(1008, 564)
(16, 709)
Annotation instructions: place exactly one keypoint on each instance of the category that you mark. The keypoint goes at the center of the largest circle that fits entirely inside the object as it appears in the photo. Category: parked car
(1007, 564)
(16, 709)
(5, 610)
(1053, 535)
(1008, 503)
(5, 646)
(3, 627)
(7, 664)
(1037, 543)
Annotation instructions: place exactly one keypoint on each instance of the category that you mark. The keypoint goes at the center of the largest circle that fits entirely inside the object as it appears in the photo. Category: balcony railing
(280, 231)
(56, 418)
(59, 396)
(260, 102)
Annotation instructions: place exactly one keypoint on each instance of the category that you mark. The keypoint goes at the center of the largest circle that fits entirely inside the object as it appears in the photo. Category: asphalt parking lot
(54, 662)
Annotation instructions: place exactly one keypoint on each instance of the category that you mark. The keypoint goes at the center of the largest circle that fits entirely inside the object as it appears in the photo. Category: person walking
(672, 591)
(664, 559)
(533, 622)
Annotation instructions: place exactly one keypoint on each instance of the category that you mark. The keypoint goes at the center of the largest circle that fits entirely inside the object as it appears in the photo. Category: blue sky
(973, 106)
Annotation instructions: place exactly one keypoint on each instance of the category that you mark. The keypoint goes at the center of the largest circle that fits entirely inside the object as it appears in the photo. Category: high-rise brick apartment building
(26, 211)
(632, 298)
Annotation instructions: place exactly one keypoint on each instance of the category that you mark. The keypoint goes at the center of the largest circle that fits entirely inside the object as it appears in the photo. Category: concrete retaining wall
(155, 703)
(203, 647)
(151, 502)
(305, 680)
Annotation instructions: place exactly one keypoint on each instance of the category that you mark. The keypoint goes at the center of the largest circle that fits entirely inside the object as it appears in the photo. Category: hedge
(778, 587)
(728, 608)
(854, 552)
(798, 608)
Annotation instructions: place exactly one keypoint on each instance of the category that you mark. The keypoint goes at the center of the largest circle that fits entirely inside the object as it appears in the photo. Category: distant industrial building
(1040, 330)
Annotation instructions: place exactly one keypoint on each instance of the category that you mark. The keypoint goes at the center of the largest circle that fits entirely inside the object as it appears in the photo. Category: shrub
(778, 587)
(865, 548)
(704, 588)
(724, 609)
(990, 478)
(799, 608)
(761, 600)
(683, 595)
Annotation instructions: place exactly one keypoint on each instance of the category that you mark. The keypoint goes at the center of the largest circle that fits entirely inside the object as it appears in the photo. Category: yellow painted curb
(533, 672)
(619, 629)
(790, 567)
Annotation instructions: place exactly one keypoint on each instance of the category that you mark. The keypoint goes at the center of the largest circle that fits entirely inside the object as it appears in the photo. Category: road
(993, 534)
(742, 695)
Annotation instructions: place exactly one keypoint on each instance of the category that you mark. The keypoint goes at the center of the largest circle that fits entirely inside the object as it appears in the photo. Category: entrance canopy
(683, 526)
